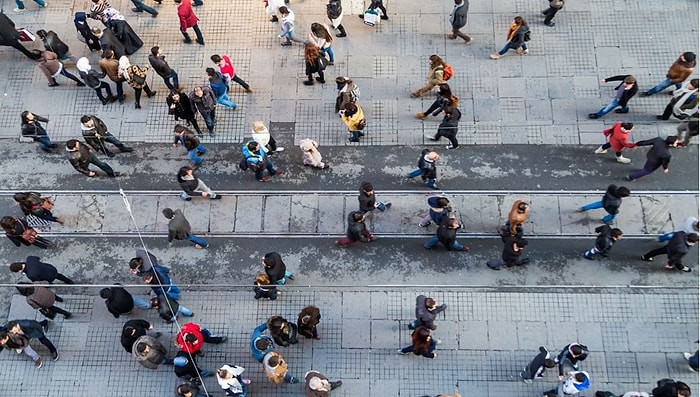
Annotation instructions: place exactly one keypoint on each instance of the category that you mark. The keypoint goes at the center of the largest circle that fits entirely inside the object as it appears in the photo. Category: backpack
(334, 9)
(138, 75)
(420, 160)
(354, 93)
(447, 71)
(527, 36)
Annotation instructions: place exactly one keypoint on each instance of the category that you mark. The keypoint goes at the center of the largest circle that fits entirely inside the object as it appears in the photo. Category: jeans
(140, 7)
(193, 154)
(197, 240)
(507, 47)
(167, 80)
(599, 204)
(409, 349)
(101, 165)
(269, 167)
(140, 302)
(609, 107)
(209, 120)
(456, 246)
(184, 311)
(201, 187)
(665, 237)
(99, 88)
(46, 342)
(30, 352)
(240, 82)
(662, 86)
(330, 53)
(290, 36)
(646, 170)
(283, 280)
(44, 141)
(197, 32)
(429, 181)
(693, 361)
(224, 100)
(20, 5)
(64, 72)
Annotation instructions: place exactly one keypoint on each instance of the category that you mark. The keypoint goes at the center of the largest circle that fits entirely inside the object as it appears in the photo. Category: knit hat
(689, 56)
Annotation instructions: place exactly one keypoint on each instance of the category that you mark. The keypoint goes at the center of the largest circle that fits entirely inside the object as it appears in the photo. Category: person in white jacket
(572, 386)
(229, 378)
(320, 36)
(261, 135)
(310, 154)
(271, 7)
(684, 102)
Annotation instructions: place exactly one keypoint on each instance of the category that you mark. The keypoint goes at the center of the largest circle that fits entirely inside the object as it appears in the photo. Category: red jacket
(618, 138)
(187, 16)
(227, 67)
(190, 347)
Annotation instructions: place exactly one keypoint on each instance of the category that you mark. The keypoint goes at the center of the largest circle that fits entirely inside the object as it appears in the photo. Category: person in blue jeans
(681, 69)
(202, 99)
(258, 161)
(611, 201)
(689, 225)
(161, 282)
(692, 360)
(31, 127)
(179, 229)
(219, 87)
(623, 93)
(20, 5)
(422, 343)
(426, 168)
(516, 38)
(190, 142)
(140, 7)
(447, 235)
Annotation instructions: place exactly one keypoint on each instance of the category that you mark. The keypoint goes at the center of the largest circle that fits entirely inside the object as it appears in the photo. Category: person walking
(110, 65)
(314, 64)
(611, 201)
(191, 338)
(604, 242)
(33, 329)
(161, 283)
(573, 385)
(108, 41)
(570, 356)
(260, 344)
(139, 6)
(354, 119)
(439, 207)
(193, 186)
(536, 368)
(179, 106)
(458, 20)
(38, 271)
(321, 37)
(516, 219)
(230, 379)
(188, 19)
(275, 368)
(84, 31)
(136, 78)
(427, 168)
(422, 343)
(219, 87)
(657, 156)
(427, 310)
(554, 7)
(692, 360)
(276, 269)
(179, 229)
(81, 156)
(33, 205)
(228, 72)
(157, 61)
(19, 232)
(687, 129)
(143, 261)
(517, 37)
(449, 127)
(617, 136)
(257, 161)
(443, 100)
(51, 67)
(21, 8)
(9, 36)
(675, 250)
(348, 91)
(31, 127)
(187, 368)
(679, 71)
(150, 353)
(168, 308)
(334, 12)
(282, 331)
(436, 75)
(311, 156)
(288, 27)
(356, 231)
(373, 5)
(623, 93)
(92, 79)
(684, 102)
(119, 301)
(262, 136)
(264, 288)
(96, 135)
(44, 300)
(513, 247)
(134, 329)
(368, 201)
(19, 344)
(307, 321)
(447, 235)
(122, 31)
(318, 385)
(54, 44)
(688, 225)
(190, 142)
(202, 99)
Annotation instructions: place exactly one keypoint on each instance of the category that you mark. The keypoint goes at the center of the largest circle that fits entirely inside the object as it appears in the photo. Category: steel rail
(354, 192)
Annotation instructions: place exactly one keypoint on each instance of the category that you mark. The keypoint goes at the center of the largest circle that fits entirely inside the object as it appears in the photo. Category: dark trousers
(646, 170)
(99, 89)
(195, 125)
(55, 309)
(661, 251)
(24, 51)
(104, 167)
(345, 240)
(65, 279)
(137, 93)
(120, 90)
(449, 134)
(64, 72)
(240, 82)
(197, 32)
(550, 13)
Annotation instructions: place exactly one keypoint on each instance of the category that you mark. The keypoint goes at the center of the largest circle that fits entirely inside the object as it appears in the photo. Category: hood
(83, 65)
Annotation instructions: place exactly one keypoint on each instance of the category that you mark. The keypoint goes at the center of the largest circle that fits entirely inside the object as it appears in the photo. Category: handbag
(362, 124)
(30, 235)
(322, 62)
(25, 35)
(35, 221)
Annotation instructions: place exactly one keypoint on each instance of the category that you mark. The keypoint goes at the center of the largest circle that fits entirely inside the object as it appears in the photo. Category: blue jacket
(218, 85)
(161, 274)
(258, 334)
(253, 157)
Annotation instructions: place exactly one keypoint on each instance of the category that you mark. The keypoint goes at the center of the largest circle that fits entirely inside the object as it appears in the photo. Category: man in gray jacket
(150, 353)
(458, 19)
(179, 229)
(426, 311)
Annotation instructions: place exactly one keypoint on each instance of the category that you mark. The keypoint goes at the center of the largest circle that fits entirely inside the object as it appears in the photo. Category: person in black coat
(81, 25)
(447, 235)
(122, 31)
(32, 128)
(275, 268)
(657, 156)
(537, 366)
(185, 366)
(676, 249)
(33, 329)
(10, 37)
(119, 301)
(36, 270)
(356, 231)
(81, 156)
(426, 311)
(571, 353)
(282, 331)
(513, 247)
(604, 242)
(108, 41)
(180, 107)
(611, 201)
(134, 329)
(671, 388)
(624, 92)
(368, 201)
(54, 44)
(449, 127)
(426, 168)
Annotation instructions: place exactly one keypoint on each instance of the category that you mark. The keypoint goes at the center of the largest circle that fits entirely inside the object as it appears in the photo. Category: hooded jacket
(258, 355)
(355, 229)
(274, 267)
(680, 70)
(88, 74)
(611, 201)
(54, 44)
(178, 227)
(604, 241)
(155, 354)
(618, 137)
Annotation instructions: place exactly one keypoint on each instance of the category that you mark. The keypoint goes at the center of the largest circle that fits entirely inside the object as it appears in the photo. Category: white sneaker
(600, 150)
(279, 149)
(438, 341)
(18, 10)
(623, 160)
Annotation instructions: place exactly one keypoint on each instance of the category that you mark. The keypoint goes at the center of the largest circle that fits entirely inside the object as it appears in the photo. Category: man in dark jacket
(657, 156)
(134, 329)
(447, 235)
(193, 186)
(449, 126)
(186, 367)
(604, 242)
(37, 271)
(10, 37)
(81, 156)
(676, 249)
(458, 20)
(160, 65)
(357, 231)
(108, 41)
(202, 99)
(611, 201)
(119, 301)
(368, 201)
(513, 247)
(54, 44)
(624, 92)
(142, 262)
(551, 11)
(426, 311)
(96, 134)
(33, 329)
(537, 366)
(179, 229)
(275, 268)
(570, 355)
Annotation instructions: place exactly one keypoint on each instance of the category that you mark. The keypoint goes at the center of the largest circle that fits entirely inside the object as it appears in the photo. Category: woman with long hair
(435, 75)
(322, 38)
(19, 232)
(422, 343)
(354, 118)
(33, 129)
(444, 99)
(312, 57)
(516, 38)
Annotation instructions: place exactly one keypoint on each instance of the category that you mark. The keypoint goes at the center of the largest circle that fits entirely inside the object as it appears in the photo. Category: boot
(310, 81)
(53, 83)
(342, 33)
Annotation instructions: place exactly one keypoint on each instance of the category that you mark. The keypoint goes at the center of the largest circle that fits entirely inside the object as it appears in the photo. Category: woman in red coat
(617, 140)
(192, 336)
(188, 19)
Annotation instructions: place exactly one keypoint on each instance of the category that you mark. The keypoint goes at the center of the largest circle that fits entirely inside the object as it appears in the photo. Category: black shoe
(54, 84)
(200, 42)
(109, 154)
(661, 117)
(217, 197)
(137, 106)
(593, 116)
(386, 207)
(686, 269)
(187, 41)
(550, 24)
(58, 299)
(152, 94)
(126, 149)
(385, 17)
(320, 80)
(80, 84)
(644, 258)
(621, 111)
(104, 102)
(341, 35)
(111, 99)
(274, 18)
(309, 82)
(354, 140)
(336, 384)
